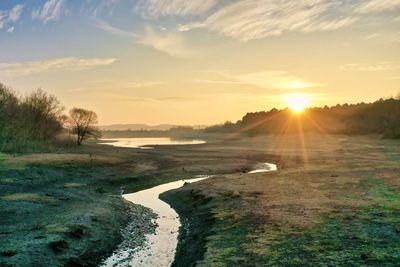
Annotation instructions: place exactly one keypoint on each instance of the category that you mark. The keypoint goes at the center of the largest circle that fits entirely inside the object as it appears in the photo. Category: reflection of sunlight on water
(264, 167)
(162, 244)
(143, 142)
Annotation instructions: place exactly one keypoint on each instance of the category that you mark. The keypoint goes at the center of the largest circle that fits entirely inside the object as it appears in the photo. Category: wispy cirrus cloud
(15, 13)
(52, 65)
(384, 37)
(171, 43)
(269, 79)
(121, 83)
(8, 17)
(104, 5)
(246, 20)
(51, 10)
(162, 8)
(373, 6)
(113, 30)
(276, 80)
(368, 67)
(255, 19)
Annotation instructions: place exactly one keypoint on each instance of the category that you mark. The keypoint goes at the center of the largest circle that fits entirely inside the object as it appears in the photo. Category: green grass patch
(368, 235)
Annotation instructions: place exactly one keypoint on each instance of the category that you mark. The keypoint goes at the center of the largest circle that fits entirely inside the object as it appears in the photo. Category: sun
(297, 102)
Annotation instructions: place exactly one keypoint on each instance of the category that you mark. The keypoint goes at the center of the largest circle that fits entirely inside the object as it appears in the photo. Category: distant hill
(142, 126)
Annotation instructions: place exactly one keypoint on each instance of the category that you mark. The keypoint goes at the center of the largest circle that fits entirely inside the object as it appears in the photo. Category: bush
(30, 122)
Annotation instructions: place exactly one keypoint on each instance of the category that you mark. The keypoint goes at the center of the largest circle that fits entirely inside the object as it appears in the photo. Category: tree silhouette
(83, 123)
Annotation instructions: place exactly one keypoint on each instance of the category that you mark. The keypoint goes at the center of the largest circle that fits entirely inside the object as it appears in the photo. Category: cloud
(11, 29)
(107, 5)
(216, 81)
(10, 16)
(372, 6)
(15, 13)
(368, 67)
(52, 65)
(162, 8)
(123, 84)
(254, 19)
(275, 80)
(384, 37)
(247, 20)
(51, 10)
(171, 43)
(113, 30)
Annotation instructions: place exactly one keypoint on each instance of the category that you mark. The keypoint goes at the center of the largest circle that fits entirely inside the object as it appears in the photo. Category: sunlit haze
(200, 61)
(297, 102)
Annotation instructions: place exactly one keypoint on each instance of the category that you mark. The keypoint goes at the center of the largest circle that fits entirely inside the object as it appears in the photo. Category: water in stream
(162, 244)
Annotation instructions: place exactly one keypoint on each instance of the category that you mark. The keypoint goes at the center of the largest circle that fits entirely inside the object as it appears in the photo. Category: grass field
(64, 208)
(334, 201)
(338, 206)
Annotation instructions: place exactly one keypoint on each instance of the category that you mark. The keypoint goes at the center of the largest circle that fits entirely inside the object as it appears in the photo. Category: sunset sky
(199, 61)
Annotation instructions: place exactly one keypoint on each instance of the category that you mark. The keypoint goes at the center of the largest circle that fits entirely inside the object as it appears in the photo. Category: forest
(36, 121)
(380, 117)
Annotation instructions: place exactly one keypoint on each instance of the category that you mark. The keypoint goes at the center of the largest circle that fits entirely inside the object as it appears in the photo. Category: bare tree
(42, 115)
(83, 123)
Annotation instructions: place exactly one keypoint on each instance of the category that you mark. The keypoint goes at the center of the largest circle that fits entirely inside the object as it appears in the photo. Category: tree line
(380, 117)
(35, 120)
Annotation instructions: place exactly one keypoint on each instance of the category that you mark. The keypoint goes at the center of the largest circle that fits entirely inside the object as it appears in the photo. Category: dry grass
(145, 167)
(332, 175)
(56, 228)
(347, 183)
(30, 197)
(74, 185)
(62, 158)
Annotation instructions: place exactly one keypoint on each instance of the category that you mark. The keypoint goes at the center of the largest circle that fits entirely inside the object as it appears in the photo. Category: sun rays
(297, 102)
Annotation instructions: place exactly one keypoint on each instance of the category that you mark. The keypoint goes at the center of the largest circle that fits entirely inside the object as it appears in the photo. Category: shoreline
(156, 231)
(141, 223)
(193, 230)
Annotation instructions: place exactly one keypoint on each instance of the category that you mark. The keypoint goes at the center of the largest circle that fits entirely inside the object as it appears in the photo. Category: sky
(199, 61)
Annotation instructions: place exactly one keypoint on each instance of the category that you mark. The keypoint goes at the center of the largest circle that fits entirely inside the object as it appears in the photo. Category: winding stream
(161, 246)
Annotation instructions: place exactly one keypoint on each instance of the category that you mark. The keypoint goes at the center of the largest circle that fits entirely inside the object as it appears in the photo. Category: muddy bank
(61, 210)
(57, 216)
(134, 236)
(196, 218)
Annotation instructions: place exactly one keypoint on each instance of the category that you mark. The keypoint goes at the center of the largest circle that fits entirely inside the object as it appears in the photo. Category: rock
(58, 245)
(74, 263)
(77, 231)
(8, 253)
